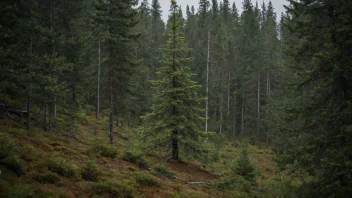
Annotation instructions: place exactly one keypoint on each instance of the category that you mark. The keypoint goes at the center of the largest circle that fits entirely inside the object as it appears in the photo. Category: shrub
(91, 172)
(146, 180)
(104, 149)
(164, 171)
(7, 147)
(14, 164)
(62, 167)
(136, 157)
(244, 166)
(47, 178)
(22, 191)
(114, 189)
(28, 152)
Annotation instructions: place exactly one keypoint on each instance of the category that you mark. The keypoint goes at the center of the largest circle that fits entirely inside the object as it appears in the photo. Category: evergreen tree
(116, 20)
(177, 114)
(315, 129)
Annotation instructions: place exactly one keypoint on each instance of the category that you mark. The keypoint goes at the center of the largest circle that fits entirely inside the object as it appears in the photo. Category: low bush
(164, 171)
(22, 191)
(28, 152)
(114, 189)
(104, 149)
(14, 164)
(146, 180)
(47, 178)
(7, 147)
(136, 157)
(62, 167)
(91, 172)
(244, 167)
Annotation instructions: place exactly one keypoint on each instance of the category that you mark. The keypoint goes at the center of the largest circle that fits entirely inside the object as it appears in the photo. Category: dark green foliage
(145, 179)
(23, 191)
(107, 151)
(91, 172)
(28, 153)
(164, 171)
(136, 157)
(62, 167)
(47, 178)
(8, 156)
(313, 122)
(7, 147)
(101, 148)
(244, 167)
(176, 113)
(14, 164)
(114, 189)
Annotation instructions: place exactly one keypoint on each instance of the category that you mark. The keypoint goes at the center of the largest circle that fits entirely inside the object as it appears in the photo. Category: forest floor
(83, 164)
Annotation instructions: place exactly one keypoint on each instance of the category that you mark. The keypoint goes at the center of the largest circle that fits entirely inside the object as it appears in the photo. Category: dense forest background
(284, 84)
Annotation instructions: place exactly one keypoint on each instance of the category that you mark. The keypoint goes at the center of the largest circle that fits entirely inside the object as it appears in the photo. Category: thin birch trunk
(228, 92)
(258, 103)
(234, 117)
(221, 100)
(242, 118)
(98, 87)
(207, 86)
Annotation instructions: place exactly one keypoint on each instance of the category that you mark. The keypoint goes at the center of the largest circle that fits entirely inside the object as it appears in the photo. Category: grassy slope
(119, 176)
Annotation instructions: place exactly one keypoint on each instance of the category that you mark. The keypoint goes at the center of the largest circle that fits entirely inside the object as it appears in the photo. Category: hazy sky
(165, 5)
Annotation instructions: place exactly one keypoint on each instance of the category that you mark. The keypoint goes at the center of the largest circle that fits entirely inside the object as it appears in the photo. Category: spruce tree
(176, 113)
(116, 20)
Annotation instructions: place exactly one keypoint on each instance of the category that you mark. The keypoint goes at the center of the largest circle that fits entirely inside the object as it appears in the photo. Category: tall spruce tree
(315, 130)
(116, 20)
(176, 114)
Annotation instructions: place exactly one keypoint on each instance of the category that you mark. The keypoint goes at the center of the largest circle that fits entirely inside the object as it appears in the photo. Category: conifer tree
(176, 114)
(116, 19)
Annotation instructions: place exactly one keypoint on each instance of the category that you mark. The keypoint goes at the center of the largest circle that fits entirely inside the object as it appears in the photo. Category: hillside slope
(60, 164)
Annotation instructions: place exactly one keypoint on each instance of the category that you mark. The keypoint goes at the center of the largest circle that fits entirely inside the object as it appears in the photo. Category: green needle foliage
(176, 113)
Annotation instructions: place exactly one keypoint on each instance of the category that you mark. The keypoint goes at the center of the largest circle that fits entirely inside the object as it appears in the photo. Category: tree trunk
(221, 100)
(234, 117)
(98, 87)
(111, 96)
(207, 86)
(45, 117)
(242, 118)
(29, 113)
(258, 103)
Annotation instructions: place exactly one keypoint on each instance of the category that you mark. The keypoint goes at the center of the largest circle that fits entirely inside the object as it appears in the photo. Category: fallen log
(196, 182)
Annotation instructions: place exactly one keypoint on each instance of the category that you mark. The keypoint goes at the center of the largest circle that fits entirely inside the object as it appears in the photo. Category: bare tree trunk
(221, 100)
(45, 118)
(207, 86)
(242, 118)
(111, 96)
(29, 98)
(234, 118)
(258, 103)
(98, 87)
(52, 54)
(228, 92)
(29, 113)
(268, 96)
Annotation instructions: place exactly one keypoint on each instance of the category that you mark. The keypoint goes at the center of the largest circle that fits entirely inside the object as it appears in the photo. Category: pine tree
(176, 114)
